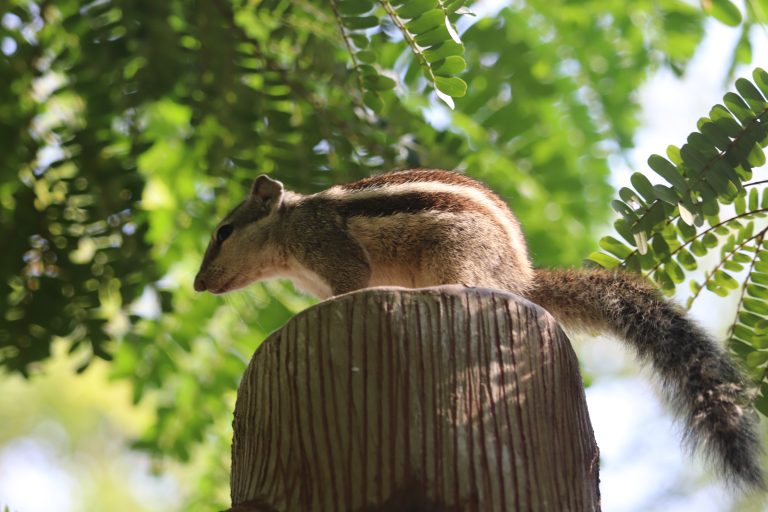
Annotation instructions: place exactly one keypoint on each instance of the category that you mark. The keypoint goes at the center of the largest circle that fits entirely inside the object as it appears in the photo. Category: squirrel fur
(425, 227)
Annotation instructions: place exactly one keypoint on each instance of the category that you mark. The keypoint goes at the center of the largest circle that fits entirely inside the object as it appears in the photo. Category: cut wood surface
(436, 399)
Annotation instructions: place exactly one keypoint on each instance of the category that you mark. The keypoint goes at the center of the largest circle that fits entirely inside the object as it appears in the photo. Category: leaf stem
(760, 237)
(348, 44)
(698, 235)
(415, 48)
(725, 258)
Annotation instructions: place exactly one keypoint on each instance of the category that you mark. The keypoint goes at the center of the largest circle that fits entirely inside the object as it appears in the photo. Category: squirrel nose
(199, 283)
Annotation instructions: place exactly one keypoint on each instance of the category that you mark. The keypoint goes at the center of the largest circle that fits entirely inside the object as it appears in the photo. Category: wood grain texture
(439, 399)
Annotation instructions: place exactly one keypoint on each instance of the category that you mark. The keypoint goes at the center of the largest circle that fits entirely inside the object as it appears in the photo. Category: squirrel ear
(266, 189)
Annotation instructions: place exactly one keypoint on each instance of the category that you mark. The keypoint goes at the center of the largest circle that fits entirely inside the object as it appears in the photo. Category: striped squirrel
(425, 227)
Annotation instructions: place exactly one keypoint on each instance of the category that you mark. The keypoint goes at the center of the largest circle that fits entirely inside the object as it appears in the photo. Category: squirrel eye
(224, 232)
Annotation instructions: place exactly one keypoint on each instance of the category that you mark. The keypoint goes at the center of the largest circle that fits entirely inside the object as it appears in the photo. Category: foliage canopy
(128, 126)
(709, 204)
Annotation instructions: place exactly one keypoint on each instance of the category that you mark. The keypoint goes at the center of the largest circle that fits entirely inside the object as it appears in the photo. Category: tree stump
(437, 399)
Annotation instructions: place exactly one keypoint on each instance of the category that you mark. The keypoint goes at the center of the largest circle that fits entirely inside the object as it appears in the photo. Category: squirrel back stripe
(429, 227)
(407, 202)
(388, 180)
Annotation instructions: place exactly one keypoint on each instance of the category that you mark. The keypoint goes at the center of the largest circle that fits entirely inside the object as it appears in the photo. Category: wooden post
(438, 399)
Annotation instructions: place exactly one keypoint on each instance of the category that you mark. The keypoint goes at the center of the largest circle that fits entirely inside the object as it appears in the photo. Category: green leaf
(753, 199)
(435, 36)
(360, 22)
(709, 240)
(443, 51)
(761, 327)
(643, 186)
(698, 248)
(721, 167)
(378, 83)
(739, 108)
(742, 52)
(666, 194)
(757, 358)
(687, 260)
(695, 288)
(749, 319)
(367, 70)
(741, 257)
(756, 157)
(715, 135)
(757, 291)
(688, 231)
(717, 289)
(631, 197)
(725, 121)
(668, 171)
(660, 247)
(756, 306)
(603, 260)
(762, 266)
(458, 7)
(360, 40)
(664, 281)
(752, 96)
(743, 332)
(759, 278)
(653, 216)
(692, 157)
(702, 145)
(622, 227)
(354, 7)
(413, 8)
(674, 271)
(452, 86)
(710, 208)
(673, 153)
(726, 280)
(760, 76)
(615, 247)
(426, 22)
(761, 404)
(366, 56)
(740, 204)
(373, 101)
(723, 10)
(622, 208)
(451, 65)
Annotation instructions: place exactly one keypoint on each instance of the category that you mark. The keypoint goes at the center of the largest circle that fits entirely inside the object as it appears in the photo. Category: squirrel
(425, 227)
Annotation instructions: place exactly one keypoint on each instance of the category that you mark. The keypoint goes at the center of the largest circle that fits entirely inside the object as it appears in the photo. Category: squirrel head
(240, 251)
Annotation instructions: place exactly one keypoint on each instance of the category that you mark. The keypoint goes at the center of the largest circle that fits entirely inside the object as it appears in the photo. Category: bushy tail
(703, 386)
